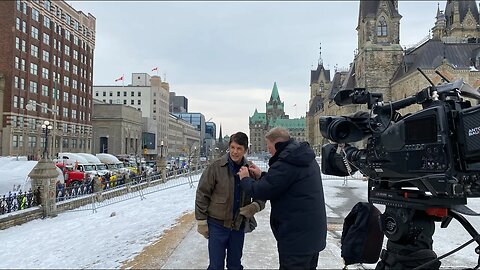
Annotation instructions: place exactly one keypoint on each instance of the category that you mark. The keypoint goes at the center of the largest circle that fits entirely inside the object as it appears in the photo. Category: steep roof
(315, 74)
(433, 52)
(316, 105)
(463, 7)
(258, 117)
(337, 83)
(295, 123)
(369, 8)
(275, 95)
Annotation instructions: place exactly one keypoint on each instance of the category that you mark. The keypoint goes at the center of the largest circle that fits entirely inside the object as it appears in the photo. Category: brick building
(46, 56)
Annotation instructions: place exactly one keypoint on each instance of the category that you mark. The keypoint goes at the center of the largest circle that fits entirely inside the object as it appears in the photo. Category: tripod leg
(409, 244)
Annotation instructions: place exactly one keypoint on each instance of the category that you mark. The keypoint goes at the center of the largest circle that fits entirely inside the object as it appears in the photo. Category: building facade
(198, 121)
(183, 137)
(117, 130)
(178, 104)
(274, 116)
(46, 56)
(147, 94)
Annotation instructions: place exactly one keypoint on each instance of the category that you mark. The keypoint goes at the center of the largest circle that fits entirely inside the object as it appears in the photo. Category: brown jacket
(214, 196)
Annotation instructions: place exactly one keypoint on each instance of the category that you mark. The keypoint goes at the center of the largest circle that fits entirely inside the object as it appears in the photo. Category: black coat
(293, 185)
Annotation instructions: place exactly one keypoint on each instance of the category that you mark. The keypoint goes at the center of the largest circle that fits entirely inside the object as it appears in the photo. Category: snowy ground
(84, 239)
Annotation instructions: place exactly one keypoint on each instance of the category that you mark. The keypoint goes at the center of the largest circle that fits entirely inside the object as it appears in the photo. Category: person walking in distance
(294, 187)
(223, 209)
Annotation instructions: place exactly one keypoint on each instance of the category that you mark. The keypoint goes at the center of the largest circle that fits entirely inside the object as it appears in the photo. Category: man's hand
(202, 228)
(250, 209)
(256, 171)
(243, 172)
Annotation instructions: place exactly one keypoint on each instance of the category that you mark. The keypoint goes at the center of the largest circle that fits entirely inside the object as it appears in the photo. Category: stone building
(274, 116)
(46, 56)
(381, 65)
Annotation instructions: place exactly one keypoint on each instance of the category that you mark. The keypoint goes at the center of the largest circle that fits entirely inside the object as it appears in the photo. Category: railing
(18, 201)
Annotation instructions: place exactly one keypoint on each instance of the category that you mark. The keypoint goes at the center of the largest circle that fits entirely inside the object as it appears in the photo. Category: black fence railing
(19, 200)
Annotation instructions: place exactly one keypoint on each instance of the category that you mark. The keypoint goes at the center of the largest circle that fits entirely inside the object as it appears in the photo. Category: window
(34, 32)
(65, 113)
(118, 93)
(46, 4)
(74, 99)
(75, 85)
(46, 38)
(15, 82)
(46, 56)
(125, 102)
(75, 40)
(33, 69)
(132, 94)
(24, 46)
(67, 50)
(32, 141)
(24, 26)
(19, 5)
(110, 93)
(66, 81)
(34, 50)
(139, 102)
(74, 114)
(45, 73)
(33, 87)
(67, 66)
(17, 23)
(17, 62)
(67, 35)
(75, 69)
(104, 94)
(17, 43)
(132, 102)
(154, 102)
(65, 96)
(15, 101)
(22, 64)
(22, 83)
(46, 21)
(382, 27)
(44, 90)
(35, 15)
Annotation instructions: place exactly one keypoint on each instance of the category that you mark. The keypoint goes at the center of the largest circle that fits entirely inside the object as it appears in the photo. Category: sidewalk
(260, 250)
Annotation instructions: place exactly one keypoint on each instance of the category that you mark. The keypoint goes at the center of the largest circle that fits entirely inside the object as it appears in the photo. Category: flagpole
(123, 80)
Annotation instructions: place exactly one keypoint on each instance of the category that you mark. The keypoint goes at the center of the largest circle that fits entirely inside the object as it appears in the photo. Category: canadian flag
(155, 68)
(119, 79)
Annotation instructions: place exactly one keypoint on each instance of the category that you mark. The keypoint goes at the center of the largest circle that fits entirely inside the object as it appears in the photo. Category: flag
(119, 79)
(155, 68)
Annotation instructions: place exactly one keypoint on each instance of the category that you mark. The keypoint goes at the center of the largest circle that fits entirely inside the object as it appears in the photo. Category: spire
(275, 95)
(438, 10)
(320, 60)
(220, 137)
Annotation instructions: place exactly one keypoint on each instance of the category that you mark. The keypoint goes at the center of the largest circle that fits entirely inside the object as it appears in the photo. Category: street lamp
(31, 106)
(46, 127)
(161, 149)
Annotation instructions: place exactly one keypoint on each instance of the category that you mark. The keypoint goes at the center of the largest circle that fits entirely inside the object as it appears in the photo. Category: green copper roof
(296, 123)
(258, 117)
(275, 95)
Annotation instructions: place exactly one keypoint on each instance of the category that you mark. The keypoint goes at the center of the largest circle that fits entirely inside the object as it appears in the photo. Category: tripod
(409, 233)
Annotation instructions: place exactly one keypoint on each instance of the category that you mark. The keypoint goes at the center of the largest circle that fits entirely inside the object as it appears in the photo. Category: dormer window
(382, 27)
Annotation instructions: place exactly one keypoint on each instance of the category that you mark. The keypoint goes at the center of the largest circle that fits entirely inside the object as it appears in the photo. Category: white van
(100, 167)
(78, 162)
(112, 162)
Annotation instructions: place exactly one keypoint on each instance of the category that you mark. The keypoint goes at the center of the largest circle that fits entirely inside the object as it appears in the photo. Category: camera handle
(409, 233)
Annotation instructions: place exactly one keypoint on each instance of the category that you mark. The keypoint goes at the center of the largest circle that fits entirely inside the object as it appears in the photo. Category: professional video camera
(427, 158)
(423, 166)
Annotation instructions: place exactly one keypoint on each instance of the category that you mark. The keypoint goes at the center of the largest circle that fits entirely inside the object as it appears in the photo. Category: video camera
(429, 158)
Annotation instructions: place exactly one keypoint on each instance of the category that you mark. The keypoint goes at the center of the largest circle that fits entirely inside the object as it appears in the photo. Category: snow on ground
(84, 239)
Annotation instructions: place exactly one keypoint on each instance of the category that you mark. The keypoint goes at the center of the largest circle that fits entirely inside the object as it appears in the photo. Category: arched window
(382, 27)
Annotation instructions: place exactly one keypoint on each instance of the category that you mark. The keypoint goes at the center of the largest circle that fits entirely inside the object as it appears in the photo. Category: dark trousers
(224, 242)
(298, 261)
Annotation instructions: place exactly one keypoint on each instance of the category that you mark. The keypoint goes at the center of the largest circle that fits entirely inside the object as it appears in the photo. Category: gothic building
(381, 65)
(274, 116)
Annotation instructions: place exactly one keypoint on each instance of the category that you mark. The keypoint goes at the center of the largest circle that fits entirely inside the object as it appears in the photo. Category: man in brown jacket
(222, 207)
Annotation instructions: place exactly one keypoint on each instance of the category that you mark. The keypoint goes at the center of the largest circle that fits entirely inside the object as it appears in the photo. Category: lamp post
(46, 127)
(31, 104)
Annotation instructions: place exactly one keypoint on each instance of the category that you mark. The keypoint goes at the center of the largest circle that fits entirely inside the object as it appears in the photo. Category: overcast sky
(225, 56)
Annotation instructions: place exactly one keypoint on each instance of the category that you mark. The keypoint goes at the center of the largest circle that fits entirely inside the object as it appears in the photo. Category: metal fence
(18, 201)
(101, 194)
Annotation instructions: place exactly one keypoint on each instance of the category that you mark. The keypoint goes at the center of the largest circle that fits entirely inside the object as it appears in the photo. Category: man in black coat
(293, 185)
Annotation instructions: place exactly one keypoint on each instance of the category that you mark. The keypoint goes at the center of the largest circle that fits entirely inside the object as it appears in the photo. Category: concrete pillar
(162, 167)
(44, 177)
